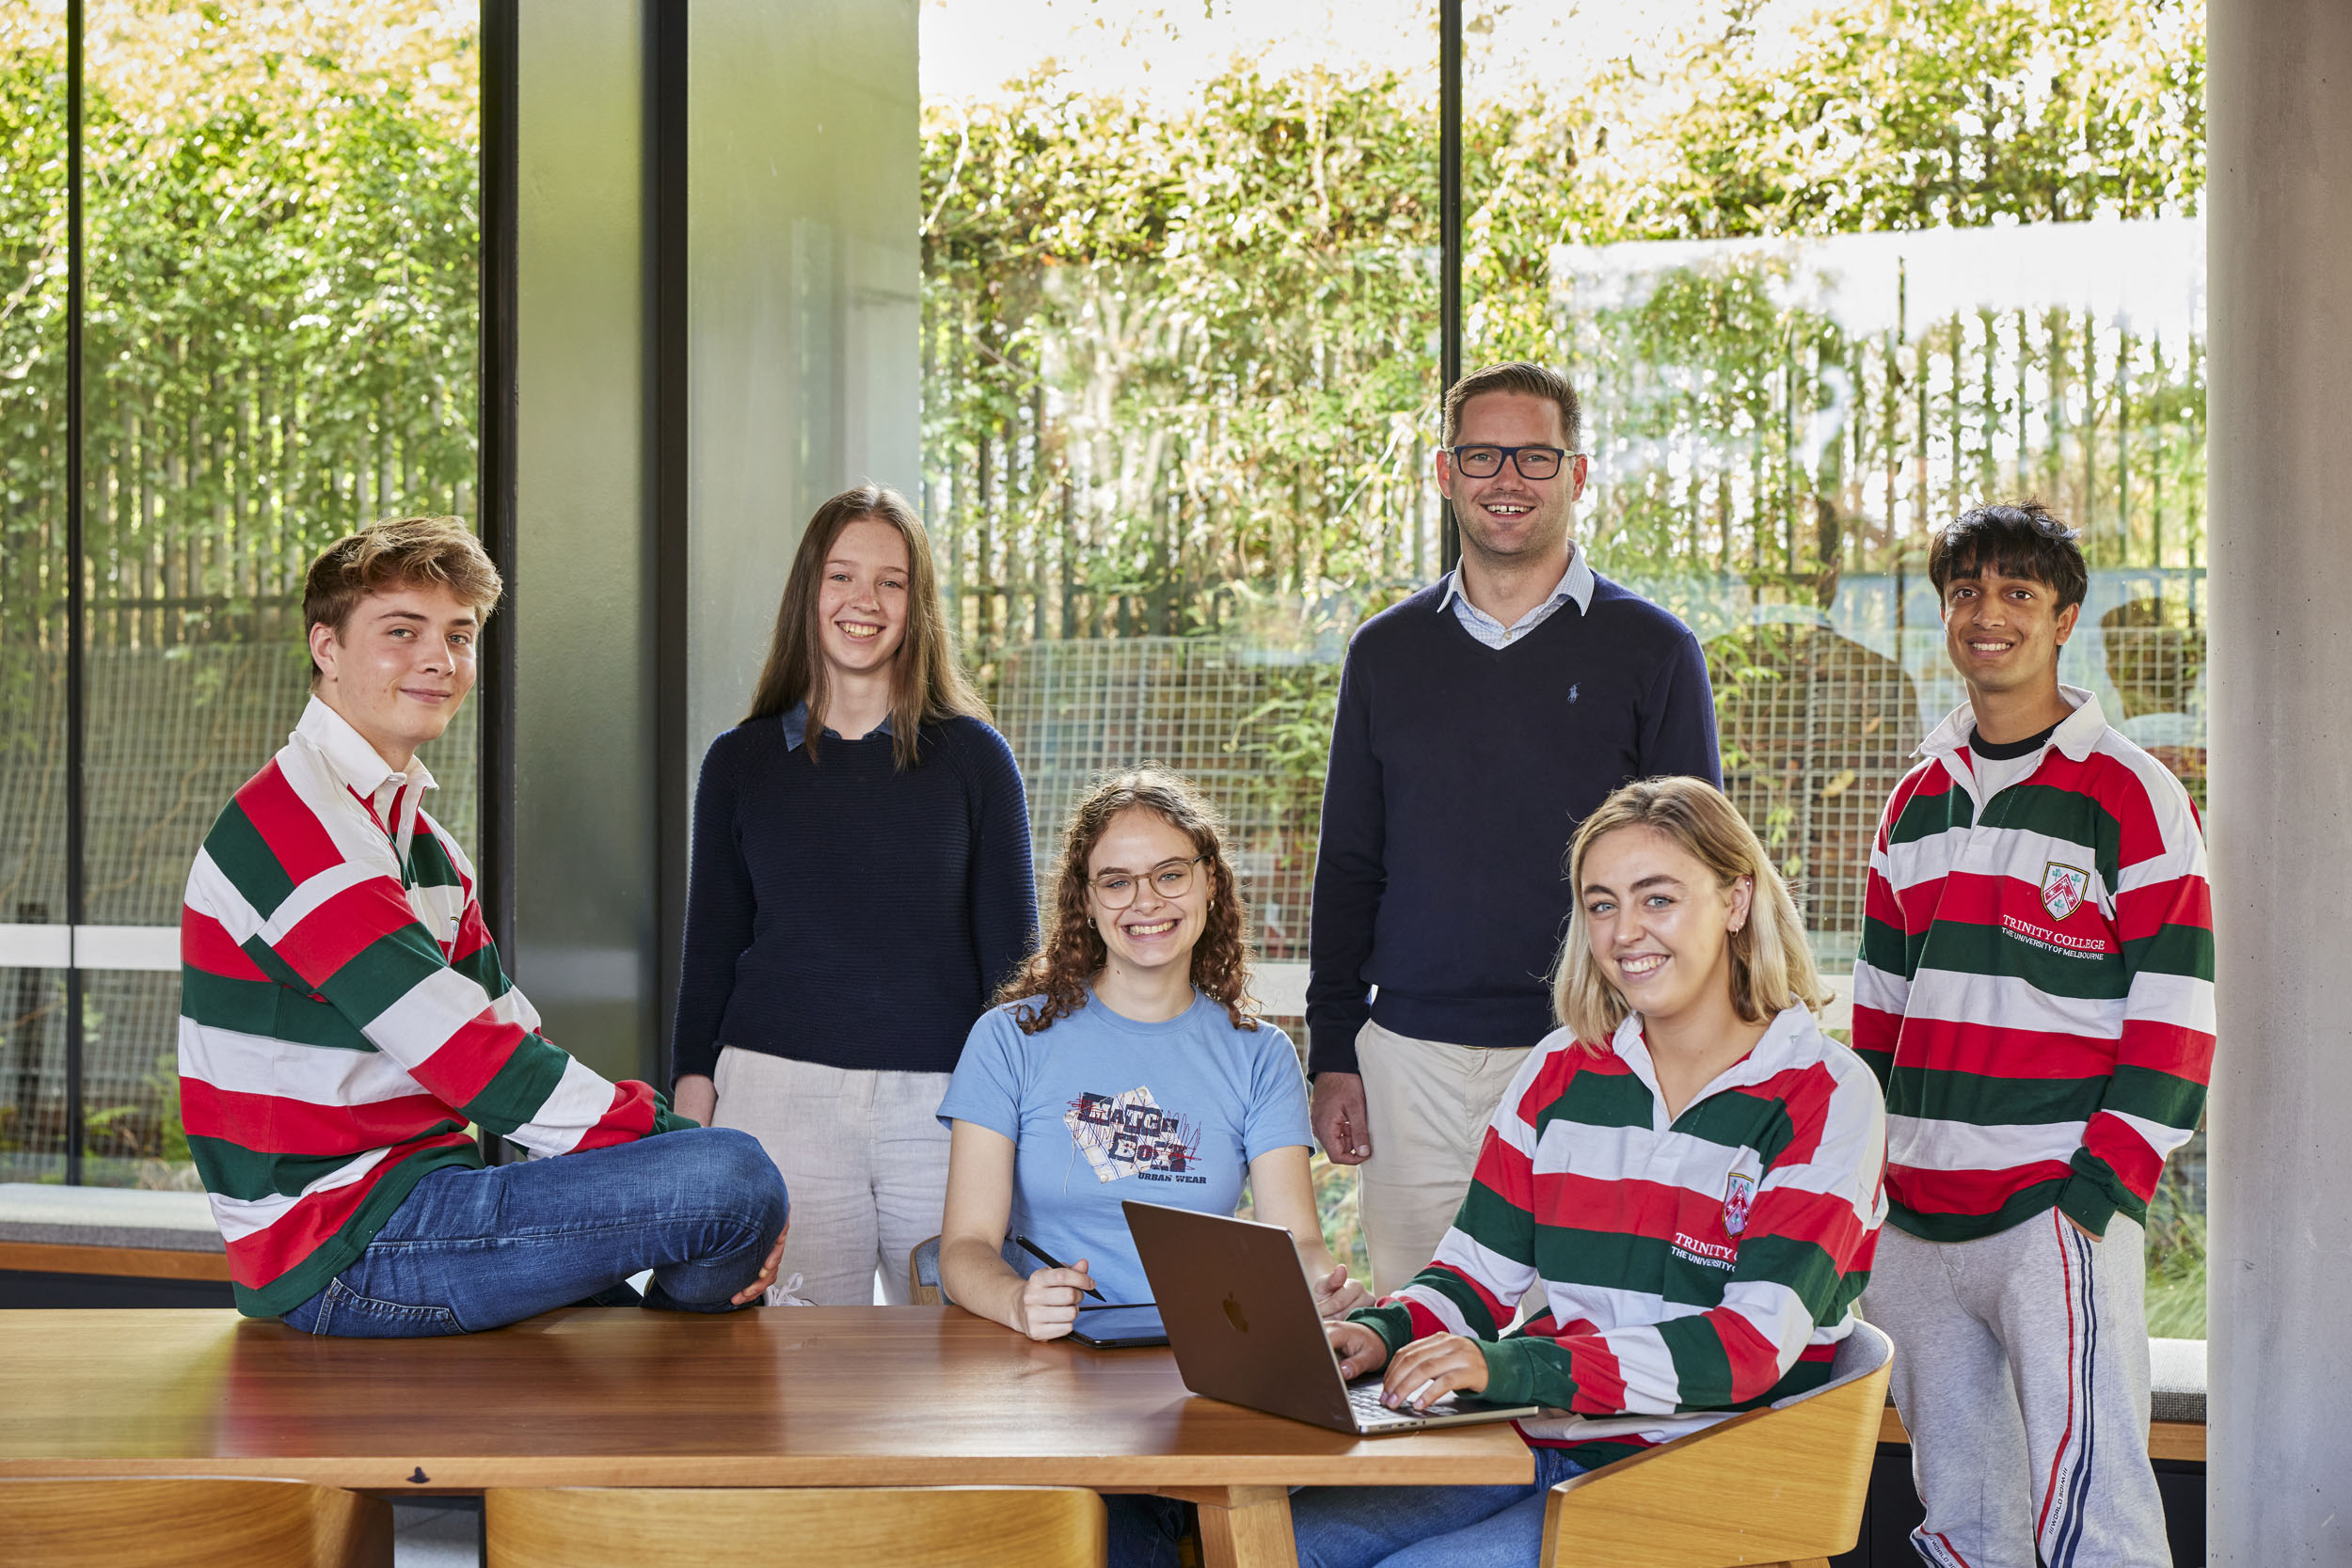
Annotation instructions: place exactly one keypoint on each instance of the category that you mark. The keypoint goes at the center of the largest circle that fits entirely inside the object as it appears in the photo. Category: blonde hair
(1772, 963)
(398, 552)
(927, 683)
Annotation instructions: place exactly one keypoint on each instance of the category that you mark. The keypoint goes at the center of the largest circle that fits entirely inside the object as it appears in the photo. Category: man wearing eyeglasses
(1479, 721)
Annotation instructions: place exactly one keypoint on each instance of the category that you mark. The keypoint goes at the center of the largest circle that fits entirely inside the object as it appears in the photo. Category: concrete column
(802, 316)
(805, 309)
(2279, 232)
(584, 691)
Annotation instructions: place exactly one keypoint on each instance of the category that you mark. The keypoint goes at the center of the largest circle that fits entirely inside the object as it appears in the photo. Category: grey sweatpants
(2021, 1373)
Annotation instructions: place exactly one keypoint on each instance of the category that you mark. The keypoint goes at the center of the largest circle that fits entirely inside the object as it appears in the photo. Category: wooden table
(774, 1397)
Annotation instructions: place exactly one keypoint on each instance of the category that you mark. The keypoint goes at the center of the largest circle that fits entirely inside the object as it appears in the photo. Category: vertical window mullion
(76, 606)
(1450, 229)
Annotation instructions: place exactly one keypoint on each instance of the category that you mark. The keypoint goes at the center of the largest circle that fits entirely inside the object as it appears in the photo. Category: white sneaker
(785, 1292)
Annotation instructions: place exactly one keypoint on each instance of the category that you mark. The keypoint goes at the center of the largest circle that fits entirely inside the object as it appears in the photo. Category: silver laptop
(1241, 1318)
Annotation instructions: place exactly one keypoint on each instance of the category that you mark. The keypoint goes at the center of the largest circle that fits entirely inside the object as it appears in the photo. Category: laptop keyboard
(1364, 1400)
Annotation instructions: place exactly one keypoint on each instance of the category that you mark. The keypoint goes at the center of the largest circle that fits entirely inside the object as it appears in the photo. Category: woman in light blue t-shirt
(1125, 1062)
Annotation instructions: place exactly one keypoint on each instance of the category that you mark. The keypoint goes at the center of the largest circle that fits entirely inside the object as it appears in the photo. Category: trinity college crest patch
(1739, 1194)
(2062, 888)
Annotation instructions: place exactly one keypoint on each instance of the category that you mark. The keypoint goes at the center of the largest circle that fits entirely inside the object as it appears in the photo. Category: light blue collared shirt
(1575, 583)
(796, 725)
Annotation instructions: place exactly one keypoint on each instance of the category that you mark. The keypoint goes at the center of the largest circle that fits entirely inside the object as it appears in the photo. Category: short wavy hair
(1526, 378)
(1053, 982)
(1771, 963)
(398, 552)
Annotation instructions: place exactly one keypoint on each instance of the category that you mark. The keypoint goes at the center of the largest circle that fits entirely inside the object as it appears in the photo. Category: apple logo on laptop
(1234, 1314)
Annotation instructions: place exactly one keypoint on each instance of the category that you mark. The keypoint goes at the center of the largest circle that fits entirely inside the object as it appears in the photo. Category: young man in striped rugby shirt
(344, 1018)
(2035, 990)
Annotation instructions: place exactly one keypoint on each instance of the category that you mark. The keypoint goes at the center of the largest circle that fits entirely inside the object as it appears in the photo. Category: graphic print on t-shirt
(1129, 1134)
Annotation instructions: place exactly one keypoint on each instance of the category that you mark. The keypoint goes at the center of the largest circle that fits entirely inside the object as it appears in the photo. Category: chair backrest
(1859, 1354)
(192, 1522)
(1786, 1483)
(923, 1287)
(1014, 1527)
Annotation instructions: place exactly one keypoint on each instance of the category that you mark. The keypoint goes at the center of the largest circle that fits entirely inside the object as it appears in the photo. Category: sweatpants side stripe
(2071, 1528)
(2073, 1361)
(1938, 1549)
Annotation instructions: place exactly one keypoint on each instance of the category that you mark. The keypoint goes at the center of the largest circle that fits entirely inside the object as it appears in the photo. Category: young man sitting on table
(1682, 1187)
(343, 1019)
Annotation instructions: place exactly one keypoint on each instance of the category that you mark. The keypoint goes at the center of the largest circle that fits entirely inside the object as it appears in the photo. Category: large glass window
(1827, 279)
(1824, 279)
(280, 254)
(1180, 387)
(33, 574)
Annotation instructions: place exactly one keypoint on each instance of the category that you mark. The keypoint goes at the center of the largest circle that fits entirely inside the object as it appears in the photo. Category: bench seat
(2177, 1405)
(113, 1231)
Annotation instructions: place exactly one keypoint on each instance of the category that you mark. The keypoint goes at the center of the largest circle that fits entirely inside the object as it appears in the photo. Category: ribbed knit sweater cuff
(2086, 1200)
(1331, 1043)
(1515, 1367)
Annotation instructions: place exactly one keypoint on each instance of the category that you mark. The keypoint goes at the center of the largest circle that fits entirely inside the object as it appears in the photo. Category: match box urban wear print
(344, 1017)
(2035, 987)
(1689, 1269)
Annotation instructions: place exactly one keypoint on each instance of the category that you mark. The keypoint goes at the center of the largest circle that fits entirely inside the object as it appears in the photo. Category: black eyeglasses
(1532, 462)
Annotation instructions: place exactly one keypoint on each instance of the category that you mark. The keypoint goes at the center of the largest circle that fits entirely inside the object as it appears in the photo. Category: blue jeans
(475, 1249)
(1427, 1527)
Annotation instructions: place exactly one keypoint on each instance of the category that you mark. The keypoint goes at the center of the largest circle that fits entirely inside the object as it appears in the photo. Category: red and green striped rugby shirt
(1683, 1270)
(2035, 988)
(343, 1017)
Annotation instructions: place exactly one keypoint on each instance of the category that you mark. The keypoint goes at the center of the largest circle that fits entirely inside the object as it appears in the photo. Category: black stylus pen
(1050, 1260)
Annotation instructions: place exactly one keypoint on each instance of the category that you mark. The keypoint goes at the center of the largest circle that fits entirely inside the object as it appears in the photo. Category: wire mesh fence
(1818, 722)
(1226, 716)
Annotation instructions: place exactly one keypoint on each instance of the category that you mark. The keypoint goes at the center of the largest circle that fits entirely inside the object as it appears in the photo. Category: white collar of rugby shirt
(1788, 1040)
(2078, 733)
(363, 771)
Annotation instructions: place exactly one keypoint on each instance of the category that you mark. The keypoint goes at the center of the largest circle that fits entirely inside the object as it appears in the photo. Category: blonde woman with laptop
(1680, 1188)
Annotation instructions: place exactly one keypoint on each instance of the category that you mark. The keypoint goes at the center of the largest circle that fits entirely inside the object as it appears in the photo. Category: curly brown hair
(1071, 954)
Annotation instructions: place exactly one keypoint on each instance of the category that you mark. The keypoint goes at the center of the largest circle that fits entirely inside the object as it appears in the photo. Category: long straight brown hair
(927, 683)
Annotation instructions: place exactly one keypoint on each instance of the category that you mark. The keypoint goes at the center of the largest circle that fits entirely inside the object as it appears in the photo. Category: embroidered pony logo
(2062, 888)
(1738, 1196)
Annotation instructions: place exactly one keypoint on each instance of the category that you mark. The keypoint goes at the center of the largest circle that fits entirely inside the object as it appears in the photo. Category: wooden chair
(1782, 1485)
(1014, 1527)
(191, 1522)
(923, 1288)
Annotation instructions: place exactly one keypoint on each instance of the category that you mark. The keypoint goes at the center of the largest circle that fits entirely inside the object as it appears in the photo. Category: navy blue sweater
(844, 913)
(1458, 775)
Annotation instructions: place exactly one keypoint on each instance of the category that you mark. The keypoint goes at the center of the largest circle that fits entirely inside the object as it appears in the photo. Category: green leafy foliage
(1174, 355)
(280, 337)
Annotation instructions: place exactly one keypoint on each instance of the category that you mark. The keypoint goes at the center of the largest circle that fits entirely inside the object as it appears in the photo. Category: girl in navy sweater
(861, 886)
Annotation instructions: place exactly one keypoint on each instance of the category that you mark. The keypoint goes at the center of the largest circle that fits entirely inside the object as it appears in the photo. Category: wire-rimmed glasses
(1483, 462)
(1169, 879)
